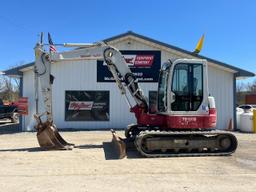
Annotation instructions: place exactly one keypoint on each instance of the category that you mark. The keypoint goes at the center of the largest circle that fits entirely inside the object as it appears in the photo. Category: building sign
(145, 65)
(87, 106)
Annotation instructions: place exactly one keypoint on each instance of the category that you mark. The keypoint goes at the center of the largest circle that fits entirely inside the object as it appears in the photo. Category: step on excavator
(185, 121)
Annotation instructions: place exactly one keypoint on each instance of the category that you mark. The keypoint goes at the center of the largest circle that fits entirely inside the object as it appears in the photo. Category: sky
(229, 25)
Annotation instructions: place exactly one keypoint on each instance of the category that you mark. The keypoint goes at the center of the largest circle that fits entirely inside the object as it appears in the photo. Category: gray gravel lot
(25, 167)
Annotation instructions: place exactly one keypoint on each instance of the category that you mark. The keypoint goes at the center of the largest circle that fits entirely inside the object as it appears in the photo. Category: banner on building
(87, 106)
(145, 65)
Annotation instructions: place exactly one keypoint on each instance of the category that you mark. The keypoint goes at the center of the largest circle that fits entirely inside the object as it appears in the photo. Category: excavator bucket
(119, 145)
(49, 138)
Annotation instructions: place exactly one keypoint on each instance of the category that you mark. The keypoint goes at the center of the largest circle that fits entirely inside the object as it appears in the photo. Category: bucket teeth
(49, 138)
(119, 145)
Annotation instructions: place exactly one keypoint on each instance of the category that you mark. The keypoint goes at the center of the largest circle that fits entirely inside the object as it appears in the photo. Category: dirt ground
(89, 167)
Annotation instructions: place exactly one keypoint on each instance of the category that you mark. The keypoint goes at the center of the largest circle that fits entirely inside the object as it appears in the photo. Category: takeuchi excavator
(185, 121)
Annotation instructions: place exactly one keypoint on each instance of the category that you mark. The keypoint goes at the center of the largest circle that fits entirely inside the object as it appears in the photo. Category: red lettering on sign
(80, 105)
(139, 60)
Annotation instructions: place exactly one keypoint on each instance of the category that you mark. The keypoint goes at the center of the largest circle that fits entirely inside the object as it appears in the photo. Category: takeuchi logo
(80, 105)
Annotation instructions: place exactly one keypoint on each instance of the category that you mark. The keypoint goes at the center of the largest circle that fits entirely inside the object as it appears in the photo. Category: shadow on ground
(32, 149)
(110, 151)
(89, 146)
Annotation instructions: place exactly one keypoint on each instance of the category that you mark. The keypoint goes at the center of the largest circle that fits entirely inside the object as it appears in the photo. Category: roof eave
(16, 71)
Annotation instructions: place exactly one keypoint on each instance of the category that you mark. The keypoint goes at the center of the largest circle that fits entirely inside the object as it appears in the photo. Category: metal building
(105, 107)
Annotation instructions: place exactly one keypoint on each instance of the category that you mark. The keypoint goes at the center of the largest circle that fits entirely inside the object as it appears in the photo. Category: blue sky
(229, 25)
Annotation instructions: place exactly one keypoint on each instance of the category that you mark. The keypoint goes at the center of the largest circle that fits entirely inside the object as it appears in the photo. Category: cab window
(187, 86)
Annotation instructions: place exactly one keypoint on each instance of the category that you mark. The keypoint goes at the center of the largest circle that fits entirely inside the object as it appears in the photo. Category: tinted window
(197, 84)
(187, 85)
(180, 80)
(180, 87)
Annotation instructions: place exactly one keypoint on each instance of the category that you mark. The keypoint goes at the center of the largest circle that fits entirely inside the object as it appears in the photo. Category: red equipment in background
(22, 105)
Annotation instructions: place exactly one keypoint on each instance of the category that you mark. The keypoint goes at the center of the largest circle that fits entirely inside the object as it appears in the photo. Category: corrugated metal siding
(28, 91)
(221, 87)
(81, 75)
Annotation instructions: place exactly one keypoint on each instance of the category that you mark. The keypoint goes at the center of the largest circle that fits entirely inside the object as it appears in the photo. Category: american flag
(52, 48)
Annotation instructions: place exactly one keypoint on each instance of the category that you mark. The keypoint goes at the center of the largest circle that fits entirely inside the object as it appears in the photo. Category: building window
(87, 105)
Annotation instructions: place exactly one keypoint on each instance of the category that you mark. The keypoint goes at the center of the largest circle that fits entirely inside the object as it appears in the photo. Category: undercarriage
(157, 143)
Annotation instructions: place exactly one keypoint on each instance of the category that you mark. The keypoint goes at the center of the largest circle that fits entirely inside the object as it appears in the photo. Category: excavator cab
(183, 92)
(183, 86)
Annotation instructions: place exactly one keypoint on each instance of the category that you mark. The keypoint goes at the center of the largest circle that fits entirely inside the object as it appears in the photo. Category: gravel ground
(89, 167)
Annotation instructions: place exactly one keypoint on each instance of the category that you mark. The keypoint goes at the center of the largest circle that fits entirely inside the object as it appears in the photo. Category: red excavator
(185, 121)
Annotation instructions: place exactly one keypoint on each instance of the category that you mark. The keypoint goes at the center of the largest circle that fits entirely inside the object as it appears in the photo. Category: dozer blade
(49, 138)
(119, 145)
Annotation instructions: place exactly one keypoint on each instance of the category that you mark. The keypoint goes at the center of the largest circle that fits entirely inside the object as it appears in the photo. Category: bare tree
(9, 86)
(240, 92)
(240, 87)
(9, 90)
(1, 83)
(252, 87)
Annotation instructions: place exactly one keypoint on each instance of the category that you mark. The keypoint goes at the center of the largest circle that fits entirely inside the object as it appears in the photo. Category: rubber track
(139, 138)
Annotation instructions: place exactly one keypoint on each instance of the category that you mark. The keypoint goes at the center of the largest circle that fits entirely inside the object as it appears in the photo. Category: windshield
(187, 84)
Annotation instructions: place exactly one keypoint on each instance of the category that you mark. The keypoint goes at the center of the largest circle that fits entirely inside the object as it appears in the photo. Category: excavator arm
(47, 133)
(116, 65)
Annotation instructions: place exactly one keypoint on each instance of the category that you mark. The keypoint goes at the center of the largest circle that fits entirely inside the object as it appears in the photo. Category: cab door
(188, 88)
